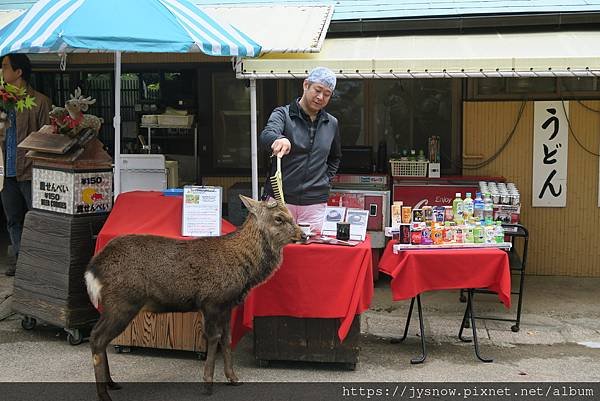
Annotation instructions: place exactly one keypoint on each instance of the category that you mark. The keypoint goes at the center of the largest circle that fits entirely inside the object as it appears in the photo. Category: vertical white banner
(550, 154)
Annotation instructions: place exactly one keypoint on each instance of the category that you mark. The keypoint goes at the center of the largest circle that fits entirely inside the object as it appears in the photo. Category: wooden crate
(286, 338)
(49, 284)
(178, 331)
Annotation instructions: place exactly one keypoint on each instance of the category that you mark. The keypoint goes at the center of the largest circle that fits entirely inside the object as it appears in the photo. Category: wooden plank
(49, 285)
(304, 339)
(60, 313)
(48, 143)
(178, 331)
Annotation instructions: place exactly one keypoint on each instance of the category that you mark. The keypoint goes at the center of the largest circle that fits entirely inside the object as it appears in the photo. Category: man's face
(9, 75)
(316, 96)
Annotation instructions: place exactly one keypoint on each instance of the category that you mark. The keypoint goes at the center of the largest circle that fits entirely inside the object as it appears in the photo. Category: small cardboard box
(434, 170)
(73, 192)
(507, 213)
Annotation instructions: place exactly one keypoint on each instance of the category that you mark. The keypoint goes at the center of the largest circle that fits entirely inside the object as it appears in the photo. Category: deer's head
(77, 104)
(275, 219)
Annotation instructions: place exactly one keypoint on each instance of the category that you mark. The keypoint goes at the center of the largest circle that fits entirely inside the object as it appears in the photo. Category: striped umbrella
(166, 26)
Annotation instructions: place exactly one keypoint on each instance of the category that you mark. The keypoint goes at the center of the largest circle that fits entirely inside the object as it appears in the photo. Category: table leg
(421, 359)
(399, 340)
(466, 316)
(472, 316)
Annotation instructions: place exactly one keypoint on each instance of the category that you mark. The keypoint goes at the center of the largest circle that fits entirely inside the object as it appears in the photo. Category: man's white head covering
(323, 76)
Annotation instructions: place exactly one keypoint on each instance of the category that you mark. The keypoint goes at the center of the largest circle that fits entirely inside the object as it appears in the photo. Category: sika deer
(212, 275)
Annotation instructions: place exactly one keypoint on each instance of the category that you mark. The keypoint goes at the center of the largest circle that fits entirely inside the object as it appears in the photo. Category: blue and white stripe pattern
(170, 26)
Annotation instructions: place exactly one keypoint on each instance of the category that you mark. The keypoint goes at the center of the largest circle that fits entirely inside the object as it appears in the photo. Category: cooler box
(436, 191)
(145, 172)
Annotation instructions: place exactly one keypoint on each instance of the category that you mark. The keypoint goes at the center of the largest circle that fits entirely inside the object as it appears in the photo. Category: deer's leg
(225, 342)
(110, 325)
(212, 331)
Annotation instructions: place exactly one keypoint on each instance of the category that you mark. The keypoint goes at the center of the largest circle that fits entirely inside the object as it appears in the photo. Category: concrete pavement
(559, 330)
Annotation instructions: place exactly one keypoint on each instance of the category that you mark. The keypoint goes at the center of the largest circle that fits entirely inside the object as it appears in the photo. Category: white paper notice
(201, 211)
(333, 215)
(358, 223)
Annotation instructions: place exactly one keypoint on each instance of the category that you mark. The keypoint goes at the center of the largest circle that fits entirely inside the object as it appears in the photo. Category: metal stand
(421, 359)
(469, 314)
(467, 318)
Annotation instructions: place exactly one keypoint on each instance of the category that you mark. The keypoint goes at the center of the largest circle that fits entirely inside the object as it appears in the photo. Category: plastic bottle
(448, 233)
(478, 235)
(488, 209)
(499, 233)
(478, 207)
(468, 207)
(490, 234)
(457, 209)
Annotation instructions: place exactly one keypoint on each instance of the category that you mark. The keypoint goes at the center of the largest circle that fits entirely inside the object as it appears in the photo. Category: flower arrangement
(13, 97)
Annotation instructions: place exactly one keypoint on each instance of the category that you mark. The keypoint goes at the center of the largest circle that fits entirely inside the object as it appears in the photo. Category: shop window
(533, 88)
(231, 122)
(406, 112)
(528, 85)
(347, 105)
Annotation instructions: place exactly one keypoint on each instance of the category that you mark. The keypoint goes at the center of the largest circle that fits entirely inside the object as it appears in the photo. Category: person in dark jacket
(307, 139)
(16, 193)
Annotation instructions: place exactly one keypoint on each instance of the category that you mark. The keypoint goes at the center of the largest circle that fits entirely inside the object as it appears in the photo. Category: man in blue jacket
(308, 140)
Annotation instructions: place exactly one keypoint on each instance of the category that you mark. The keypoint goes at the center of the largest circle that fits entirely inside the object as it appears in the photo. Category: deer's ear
(250, 204)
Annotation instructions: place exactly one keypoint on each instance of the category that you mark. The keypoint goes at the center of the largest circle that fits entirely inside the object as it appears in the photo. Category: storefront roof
(281, 29)
(439, 56)
(384, 9)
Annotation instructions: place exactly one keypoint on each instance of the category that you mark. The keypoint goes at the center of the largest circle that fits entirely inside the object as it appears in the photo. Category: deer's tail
(93, 288)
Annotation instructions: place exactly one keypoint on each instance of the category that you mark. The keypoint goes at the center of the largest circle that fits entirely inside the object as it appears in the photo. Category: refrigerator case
(376, 202)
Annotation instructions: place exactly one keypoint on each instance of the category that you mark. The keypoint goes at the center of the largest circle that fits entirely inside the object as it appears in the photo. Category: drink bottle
(478, 207)
(457, 209)
(468, 207)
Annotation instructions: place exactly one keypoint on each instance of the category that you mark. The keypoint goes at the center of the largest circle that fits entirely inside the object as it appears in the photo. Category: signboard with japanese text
(71, 191)
(550, 154)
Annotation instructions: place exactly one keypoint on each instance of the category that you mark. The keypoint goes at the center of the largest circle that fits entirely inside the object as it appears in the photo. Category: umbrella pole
(117, 125)
(253, 139)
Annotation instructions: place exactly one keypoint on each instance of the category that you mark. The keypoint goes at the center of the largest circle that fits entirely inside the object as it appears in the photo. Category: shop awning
(441, 56)
(279, 28)
(7, 16)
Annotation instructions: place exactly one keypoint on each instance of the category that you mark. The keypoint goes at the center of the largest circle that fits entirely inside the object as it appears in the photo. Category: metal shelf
(193, 128)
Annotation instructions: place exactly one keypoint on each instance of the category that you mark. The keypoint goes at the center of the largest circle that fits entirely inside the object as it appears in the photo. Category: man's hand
(281, 147)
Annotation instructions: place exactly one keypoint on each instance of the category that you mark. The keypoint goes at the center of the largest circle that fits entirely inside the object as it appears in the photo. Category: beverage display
(466, 221)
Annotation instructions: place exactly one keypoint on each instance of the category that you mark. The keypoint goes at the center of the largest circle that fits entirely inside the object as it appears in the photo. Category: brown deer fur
(210, 275)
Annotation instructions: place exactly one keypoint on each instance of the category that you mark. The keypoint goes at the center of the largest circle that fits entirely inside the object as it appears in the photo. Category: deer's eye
(278, 220)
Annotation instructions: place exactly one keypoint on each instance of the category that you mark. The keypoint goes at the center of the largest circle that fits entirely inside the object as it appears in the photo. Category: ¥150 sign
(550, 154)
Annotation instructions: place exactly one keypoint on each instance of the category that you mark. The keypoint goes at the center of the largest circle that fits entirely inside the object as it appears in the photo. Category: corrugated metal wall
(563, 241)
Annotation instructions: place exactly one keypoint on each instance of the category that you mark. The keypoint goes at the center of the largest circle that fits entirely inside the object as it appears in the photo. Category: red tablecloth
(314, 281)
(324, 281)
(417, 271)
(146, 212)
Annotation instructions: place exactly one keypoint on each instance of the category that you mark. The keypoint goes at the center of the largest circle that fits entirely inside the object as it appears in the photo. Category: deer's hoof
(235, 382)
(114, 386)
(104, 397)
(208, 389)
